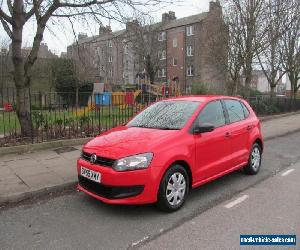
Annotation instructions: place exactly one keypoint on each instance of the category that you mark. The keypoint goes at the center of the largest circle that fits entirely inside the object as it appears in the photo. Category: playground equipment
(122, 99)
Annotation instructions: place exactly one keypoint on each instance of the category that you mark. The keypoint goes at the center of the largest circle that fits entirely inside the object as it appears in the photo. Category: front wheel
(254, 161)
(173, 189)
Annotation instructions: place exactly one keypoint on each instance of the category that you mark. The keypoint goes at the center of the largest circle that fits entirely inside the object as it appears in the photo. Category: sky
(59, 36)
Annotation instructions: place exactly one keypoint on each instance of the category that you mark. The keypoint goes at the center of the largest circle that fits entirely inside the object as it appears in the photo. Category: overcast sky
(58, 37)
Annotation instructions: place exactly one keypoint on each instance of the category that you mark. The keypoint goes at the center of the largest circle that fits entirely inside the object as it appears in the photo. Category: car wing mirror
(203, 128)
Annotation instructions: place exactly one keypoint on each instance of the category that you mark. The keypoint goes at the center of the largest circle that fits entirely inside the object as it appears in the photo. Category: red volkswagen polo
(169, 148)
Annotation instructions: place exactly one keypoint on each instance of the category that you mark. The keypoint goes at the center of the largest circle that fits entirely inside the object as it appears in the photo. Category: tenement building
(188, 51)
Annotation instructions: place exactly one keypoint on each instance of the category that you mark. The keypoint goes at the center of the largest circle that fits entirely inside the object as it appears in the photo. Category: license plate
(90, 174)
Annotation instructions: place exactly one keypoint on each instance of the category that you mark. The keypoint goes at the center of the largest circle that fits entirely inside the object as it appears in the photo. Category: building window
(127, 65)
(189, 50)
(175, 61)
(102, 67)
(162, 55)
(111, 73)
(110, 59)
(162, 36)
(110, 43)
(161, 73)
(190, 70)
(190, 30)
(126, 49)
(175, 42)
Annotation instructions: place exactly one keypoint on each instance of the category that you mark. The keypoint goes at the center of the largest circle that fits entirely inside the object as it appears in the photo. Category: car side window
(212, 113)
(235, 110)
(246, 111)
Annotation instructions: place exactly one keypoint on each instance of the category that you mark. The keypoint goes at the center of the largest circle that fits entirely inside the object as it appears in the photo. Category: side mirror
(203, 128)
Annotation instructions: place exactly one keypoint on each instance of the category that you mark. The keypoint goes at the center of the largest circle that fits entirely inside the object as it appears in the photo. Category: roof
(100, 38)
(185, 21)
(201, 98)
(171, 24)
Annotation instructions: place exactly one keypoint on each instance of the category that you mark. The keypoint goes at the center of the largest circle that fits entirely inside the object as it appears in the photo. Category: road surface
(76, 221)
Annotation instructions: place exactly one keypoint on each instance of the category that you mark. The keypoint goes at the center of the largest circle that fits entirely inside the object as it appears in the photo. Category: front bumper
(109, 192)
(130, 187)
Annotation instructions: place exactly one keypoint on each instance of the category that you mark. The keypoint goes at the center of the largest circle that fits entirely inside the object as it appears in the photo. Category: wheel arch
(186, 167)
(260, 143)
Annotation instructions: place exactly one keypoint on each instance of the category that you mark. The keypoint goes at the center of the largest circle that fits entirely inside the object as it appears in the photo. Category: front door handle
(227, 134)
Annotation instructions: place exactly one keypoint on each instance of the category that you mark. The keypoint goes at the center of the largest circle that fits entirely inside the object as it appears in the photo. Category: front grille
(109, 192)
(100, 160)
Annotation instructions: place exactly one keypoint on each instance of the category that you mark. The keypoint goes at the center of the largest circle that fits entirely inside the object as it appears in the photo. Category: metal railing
(66, 115)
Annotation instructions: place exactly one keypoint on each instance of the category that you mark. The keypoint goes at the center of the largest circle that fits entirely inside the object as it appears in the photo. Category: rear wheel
(173, 189)
(254, 161)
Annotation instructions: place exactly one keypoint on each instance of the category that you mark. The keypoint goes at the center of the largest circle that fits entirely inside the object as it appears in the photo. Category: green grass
(104, 117)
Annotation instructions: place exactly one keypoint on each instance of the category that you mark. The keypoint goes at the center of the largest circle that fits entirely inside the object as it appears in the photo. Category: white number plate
(90, 174)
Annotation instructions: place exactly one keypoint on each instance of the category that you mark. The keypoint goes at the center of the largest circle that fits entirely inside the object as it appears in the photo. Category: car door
(238, 131)
(212, 149)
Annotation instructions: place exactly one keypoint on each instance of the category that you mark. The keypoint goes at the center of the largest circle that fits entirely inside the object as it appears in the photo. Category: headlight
(134, 162)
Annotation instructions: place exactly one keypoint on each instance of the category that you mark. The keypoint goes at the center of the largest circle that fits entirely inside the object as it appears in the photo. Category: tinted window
(213, 114)
(246, 111)
(165, 115)
(235, 110)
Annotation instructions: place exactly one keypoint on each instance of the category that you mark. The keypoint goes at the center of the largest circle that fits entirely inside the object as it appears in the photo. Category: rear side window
(212, 113)
(246, 111)
(235, 110)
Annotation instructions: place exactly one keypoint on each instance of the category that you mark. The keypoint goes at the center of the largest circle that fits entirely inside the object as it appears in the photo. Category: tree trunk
(23, 112)
(22, 91)
(272, 94)
(248, 79)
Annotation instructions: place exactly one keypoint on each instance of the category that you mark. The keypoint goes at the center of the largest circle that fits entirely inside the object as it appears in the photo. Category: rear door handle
(249, 127)
(227, 135)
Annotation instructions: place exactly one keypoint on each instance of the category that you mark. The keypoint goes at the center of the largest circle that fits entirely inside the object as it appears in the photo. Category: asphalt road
(75, 221)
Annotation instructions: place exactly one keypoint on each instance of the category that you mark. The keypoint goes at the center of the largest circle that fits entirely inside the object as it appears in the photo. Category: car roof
(202, 98)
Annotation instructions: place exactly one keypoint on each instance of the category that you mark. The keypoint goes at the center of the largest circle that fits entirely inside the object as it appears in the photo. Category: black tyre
(254, 162)
(174, 188)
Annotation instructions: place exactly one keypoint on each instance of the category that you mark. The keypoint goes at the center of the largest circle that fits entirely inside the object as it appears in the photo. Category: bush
(199, 89)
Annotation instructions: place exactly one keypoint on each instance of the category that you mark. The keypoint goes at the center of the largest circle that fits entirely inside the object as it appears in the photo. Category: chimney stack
(167, 17)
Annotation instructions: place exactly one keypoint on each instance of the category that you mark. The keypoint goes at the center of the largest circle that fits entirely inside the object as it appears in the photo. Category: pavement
(272, 207)
(33, 174)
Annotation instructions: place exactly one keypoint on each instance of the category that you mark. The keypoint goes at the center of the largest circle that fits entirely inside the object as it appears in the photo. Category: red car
(169, 148)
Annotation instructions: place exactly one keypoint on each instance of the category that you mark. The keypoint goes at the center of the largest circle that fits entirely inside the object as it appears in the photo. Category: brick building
(190, 50)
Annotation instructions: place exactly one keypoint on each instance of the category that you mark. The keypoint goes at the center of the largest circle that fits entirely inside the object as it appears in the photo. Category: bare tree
(143, 40)
(268, 47)
(15, 14)
(245, 17)
(235, 60)
(290, 49)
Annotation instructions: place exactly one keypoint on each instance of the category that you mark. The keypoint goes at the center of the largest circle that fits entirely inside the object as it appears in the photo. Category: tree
(67, 82)
(142, 39)
(17, 13)
(268, 49)
(290, 48)
(245, 18)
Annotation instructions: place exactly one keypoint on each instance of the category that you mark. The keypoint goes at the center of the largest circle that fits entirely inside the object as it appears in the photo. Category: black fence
(56, 116)
(265, 105)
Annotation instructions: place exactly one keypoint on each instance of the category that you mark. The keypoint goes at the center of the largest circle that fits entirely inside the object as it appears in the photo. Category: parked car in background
(169, 148)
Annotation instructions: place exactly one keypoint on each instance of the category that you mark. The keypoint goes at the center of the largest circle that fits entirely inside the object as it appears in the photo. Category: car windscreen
(168, 115)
